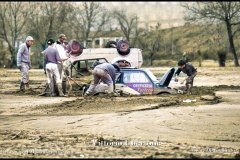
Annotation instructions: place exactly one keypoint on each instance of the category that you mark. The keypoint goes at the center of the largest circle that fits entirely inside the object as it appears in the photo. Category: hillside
(190, 38)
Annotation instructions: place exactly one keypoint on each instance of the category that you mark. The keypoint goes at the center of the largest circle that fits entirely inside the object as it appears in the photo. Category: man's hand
(175, 79)
(182, 81)
(19, 67)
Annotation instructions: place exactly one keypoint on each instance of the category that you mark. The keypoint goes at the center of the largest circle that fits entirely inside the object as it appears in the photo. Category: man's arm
(58, 56)
(44, 62)
(177, 73)
(19, 56)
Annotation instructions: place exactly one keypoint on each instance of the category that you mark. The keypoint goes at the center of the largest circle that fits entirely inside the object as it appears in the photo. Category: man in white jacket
(61, 48)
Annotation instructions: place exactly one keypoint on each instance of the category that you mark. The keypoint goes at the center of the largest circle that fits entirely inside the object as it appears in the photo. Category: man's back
(107, 67)
(51, 55)
(188, 69)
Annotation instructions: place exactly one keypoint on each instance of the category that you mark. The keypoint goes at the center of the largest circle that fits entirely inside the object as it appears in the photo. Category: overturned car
(114, 51)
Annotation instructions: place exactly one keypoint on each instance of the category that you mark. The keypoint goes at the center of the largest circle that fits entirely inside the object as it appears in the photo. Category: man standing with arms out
(51, 59)
(104, 72)
(191, 73)
(24, 62)
(60, 46)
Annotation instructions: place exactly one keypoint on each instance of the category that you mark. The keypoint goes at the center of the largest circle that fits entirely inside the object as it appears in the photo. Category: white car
(120, 51)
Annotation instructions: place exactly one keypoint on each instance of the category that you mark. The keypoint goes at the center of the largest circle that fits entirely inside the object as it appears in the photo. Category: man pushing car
(104, 72)
(190, 71)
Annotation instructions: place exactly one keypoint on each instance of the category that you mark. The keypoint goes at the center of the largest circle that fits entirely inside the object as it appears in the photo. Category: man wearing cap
(62, 66)
(104, 72)
(51, 59)
(24, 62)
(190, 71)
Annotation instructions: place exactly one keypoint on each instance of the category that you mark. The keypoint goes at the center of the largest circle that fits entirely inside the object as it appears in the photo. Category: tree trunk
(221, 58)
(13, 57)
(151, 59)
(13, 62)
(232, 48)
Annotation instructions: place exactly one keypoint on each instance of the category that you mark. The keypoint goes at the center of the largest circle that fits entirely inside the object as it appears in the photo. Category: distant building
(100, 42)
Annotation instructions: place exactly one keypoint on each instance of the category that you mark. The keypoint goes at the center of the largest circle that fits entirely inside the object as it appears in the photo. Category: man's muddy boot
(189, 88)
(22, 87)
(27, 85)
(51, 88)
(64, 86)
(59, 87)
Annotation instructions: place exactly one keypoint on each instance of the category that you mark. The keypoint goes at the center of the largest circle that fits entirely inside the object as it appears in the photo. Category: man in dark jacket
(190, 71)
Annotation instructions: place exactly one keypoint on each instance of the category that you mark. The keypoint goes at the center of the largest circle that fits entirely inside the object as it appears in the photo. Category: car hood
(166, 78)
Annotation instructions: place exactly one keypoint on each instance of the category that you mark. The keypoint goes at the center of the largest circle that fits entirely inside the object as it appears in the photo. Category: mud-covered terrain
(202, 125)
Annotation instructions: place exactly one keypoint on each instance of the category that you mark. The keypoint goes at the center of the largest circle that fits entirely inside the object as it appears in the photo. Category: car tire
(75, 48)
(123, 47)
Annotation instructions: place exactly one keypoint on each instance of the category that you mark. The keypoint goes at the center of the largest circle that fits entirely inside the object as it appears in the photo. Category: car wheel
(123, 47)
(75, 48)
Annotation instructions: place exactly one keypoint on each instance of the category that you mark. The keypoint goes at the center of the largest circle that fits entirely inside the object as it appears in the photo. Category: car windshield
(135, 77)
(151, 75)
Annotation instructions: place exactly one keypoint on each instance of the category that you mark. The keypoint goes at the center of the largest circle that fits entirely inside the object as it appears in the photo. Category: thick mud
(202, 125)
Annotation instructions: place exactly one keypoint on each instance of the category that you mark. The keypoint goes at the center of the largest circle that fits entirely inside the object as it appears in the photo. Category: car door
(138, 80)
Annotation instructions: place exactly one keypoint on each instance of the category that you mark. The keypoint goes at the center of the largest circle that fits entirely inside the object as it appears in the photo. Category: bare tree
(13, 18)
(217, 38)
(128, 24)
(223, 11)
(91, 18)
(48, 20)
(151, 43)
(154, 47)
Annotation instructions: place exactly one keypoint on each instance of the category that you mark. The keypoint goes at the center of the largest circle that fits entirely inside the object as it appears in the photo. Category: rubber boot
(64, 86)
(21, 86)
(189, 88)
(27, 85)
(51, 88)
(59, 87)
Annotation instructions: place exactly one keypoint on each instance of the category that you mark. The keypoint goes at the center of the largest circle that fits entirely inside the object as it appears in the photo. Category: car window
(135, 77)
(151, 75)
(117, 77)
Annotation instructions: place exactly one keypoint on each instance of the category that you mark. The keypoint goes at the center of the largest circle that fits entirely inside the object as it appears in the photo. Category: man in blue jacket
(24, 62)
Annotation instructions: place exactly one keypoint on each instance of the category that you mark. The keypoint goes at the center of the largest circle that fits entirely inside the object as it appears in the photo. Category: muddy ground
(202, 125)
